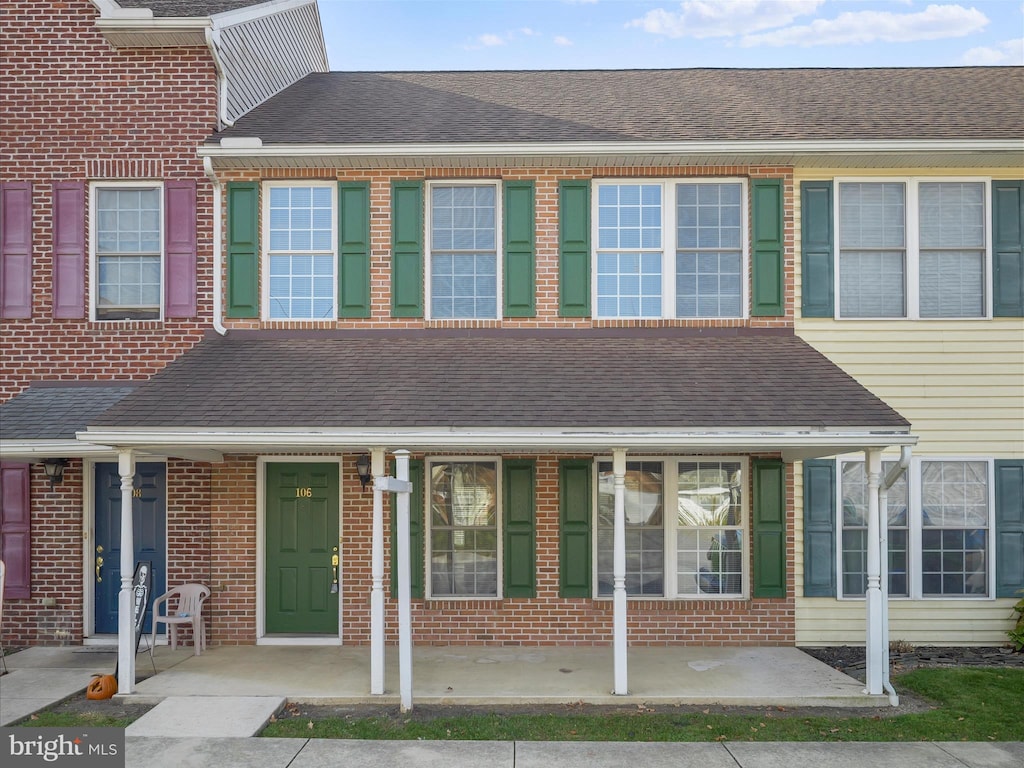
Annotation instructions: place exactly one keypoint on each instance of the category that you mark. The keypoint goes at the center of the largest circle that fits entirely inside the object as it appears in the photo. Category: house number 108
(304, 493)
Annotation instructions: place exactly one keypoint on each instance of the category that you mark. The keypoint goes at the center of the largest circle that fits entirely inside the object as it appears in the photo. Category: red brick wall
(86, 111)
(546, 220)
(544, 620)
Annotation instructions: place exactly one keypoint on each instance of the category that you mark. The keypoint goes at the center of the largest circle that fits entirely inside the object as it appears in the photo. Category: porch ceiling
(650, 390)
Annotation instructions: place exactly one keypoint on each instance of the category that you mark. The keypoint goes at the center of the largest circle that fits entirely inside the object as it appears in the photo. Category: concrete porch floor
(751, 676)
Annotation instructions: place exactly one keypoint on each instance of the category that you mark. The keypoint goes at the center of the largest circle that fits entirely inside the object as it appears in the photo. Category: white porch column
(377, 566)
(125, 622)
(404, 585)
(619, 572)
(874, 651)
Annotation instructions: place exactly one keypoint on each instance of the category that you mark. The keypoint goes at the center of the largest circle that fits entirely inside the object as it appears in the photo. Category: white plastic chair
(182, 605)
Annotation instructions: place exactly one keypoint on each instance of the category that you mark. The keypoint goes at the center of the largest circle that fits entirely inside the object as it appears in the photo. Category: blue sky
(372, 35)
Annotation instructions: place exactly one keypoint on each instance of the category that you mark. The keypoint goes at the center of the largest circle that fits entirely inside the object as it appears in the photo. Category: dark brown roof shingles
(584, 380)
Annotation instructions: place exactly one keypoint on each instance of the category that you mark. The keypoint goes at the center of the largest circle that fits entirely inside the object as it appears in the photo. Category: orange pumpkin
(101, 687)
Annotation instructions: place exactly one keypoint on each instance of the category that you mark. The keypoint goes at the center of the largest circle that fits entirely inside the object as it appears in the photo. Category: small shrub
(1017, 633)
(900, 646)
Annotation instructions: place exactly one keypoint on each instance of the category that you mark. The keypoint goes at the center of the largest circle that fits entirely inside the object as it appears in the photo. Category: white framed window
(670, 249)
(940, 515)
(699, 550)
(464, 528)
(913, 248)
(300, 250)
(126, 236)
(464, 252)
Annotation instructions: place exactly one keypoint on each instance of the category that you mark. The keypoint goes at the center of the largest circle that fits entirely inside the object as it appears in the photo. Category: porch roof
(502, 388)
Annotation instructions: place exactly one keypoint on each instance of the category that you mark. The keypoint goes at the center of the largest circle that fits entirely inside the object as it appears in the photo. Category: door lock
(99, 565)
(335, 560)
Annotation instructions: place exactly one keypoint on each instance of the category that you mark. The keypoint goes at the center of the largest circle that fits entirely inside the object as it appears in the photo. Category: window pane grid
(301, 286)
(464, 532)
(128, 238)
(301, 261)
(645, 528)
(464, 256)
(629, 284)
(709, 540)
(301, 219)
(853, 581)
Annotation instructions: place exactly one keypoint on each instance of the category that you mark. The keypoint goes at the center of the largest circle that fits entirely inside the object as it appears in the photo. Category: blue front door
(149, 507)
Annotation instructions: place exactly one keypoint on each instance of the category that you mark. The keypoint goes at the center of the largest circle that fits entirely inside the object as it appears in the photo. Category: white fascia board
(230, 148)
(37, 450)
(228, 441)
(154, 24)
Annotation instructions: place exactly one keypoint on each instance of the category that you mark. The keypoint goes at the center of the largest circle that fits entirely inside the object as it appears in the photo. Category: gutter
(218, 256)
(888, 481)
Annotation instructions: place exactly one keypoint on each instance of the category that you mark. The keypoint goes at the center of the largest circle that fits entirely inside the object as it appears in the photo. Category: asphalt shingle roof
(56, 412)
(672, 378)
(642, 105)
(188, 8)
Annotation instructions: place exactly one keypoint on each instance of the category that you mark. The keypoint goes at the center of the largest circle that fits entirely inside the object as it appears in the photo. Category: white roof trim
(802, 443)
(254, 147)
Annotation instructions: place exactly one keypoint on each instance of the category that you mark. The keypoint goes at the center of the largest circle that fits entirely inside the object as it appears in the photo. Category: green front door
(301, 539)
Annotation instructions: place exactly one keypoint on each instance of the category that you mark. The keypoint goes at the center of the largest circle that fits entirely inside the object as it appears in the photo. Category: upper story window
(697, 549)
(127, 238)
(912, 249)
(300, 258)
(464, 256)
(670, 249)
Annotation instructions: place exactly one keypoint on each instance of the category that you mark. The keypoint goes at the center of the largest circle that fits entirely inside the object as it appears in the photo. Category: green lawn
(970, 704)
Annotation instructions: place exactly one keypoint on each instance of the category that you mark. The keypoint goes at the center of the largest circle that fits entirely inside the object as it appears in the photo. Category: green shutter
(574, 248)
(1009, 536)
(769, 528)
(353, 249)
(1008, 248)
(574, 518)
(766, 255)
(820, 528)
(243, 249)
(407, 249)
(416, 542)
(518, 492)
(816, 243)
(520, 273)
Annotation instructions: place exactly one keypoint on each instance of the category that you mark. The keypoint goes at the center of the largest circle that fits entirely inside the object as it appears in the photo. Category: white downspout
(212, 37)
(888, 481)
(619, 602)
(218, 257)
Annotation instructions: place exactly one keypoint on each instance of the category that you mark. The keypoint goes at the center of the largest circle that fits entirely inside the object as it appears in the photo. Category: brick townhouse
(556, 300)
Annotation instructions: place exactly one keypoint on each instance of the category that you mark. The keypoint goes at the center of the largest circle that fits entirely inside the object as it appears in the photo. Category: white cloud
(528, 32)
(489, 40)
(562, 40)
(723, 18)
(1010, 52)
(936, 22)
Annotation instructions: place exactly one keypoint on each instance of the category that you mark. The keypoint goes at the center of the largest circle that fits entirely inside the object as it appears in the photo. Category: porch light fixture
(363, 469)
(54, 469)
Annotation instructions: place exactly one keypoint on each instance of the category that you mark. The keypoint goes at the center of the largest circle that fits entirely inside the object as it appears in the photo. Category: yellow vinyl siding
(961, 385)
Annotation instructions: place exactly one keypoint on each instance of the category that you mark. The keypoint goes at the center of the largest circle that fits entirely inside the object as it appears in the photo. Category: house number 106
(304, 493)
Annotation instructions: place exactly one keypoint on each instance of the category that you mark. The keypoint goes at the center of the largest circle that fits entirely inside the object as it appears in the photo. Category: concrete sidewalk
(332, 753)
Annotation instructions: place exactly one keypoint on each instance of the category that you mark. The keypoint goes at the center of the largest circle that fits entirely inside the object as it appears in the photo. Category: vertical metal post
(377, 590)
(619, 573)
(125, 622)
(404, 586)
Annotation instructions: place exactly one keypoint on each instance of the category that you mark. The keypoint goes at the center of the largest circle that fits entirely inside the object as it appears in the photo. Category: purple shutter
(180, 241)
(16, 249)
(15, 530)
(69, 249)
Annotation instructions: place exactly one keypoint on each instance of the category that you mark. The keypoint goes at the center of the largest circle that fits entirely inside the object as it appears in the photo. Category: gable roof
(642, 105)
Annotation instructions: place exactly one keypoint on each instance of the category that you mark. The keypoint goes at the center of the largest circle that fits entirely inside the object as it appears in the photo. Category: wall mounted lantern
(54, 469)
(363, 469)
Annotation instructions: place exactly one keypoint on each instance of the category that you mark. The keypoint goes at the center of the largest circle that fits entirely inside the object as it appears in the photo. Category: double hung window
(301, 251)
(127, 236)
(938, 529)
(697, 550)
(912, 249)
(464, 524)
(464, 251)
(670, 249)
